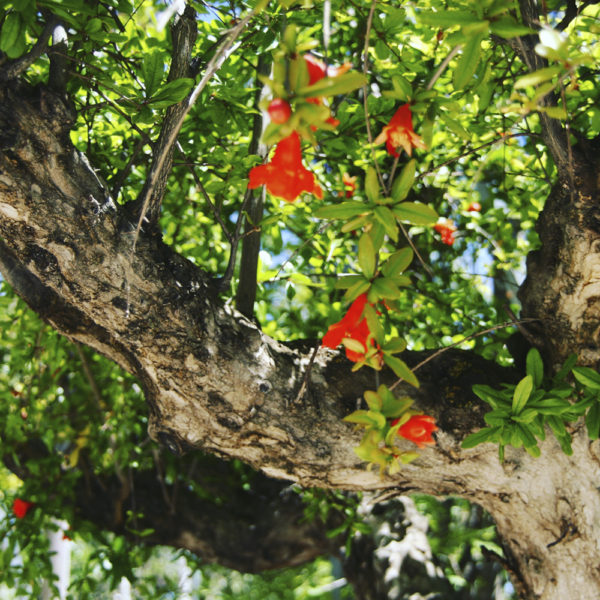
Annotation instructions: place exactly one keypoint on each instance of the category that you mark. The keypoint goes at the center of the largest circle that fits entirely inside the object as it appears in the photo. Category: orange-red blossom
(352, 326)
(316, 71)
(418, 429)
(21, 507)
(285, 176)
(446, 228)
(399, 133)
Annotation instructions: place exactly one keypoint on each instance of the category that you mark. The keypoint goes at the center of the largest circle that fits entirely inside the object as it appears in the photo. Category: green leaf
(344, 282)
(467, 63)
(373, 400)
(487, 434)
(385, 216)
(384, 288)
(507, 27)
(371, 184)
(522, 393)
(447, 18)
(415, 213)
(397, 262)
(404, 181)
(332, 86)
(592, 421)
(13, 31)
(171, 93)
(497, 417)
(454, 126)
(401, 369)
(356, 289)
(557, 425)
(395, 345)
(525, 416)
(395, 407)
(537, 77)
(402, 88)
(587, 377)
(366, 255)
(345, 210)
(493, 397)
(535, 367)
(375, 326)
(152, 71)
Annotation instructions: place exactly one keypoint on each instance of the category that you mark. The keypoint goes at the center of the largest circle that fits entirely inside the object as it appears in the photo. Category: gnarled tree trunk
(214, 381)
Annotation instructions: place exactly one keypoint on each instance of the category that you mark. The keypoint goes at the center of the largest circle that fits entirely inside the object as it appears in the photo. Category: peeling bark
(213, 381)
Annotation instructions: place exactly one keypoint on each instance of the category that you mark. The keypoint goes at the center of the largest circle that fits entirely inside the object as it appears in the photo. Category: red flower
(418, 429)
(349, 184)
(317, 69)
(21, 507)
(285, 176)
(353, 326)
(279, 110)
(474, 207)
(399, 133)
(446, 228)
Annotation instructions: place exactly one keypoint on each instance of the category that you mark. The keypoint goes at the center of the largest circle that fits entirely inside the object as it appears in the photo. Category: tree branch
(184, 34)
(18, 66)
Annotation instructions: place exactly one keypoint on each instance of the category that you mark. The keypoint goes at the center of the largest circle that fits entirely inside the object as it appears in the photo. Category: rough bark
(214, 381)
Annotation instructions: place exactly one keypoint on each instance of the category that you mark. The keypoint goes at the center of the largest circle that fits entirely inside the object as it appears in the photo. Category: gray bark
(213, 381)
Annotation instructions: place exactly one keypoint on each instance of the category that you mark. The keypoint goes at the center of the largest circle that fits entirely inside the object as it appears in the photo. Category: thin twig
(365, 91)
(443, 66)
(90, 377)
(465, 339)
(213, 66)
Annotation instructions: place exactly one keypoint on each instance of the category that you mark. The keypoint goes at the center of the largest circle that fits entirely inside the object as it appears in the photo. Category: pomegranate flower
(349, 185)
(285, 176)
(418, 429)
(352, 326)
(21, 507)
(399, 133)
(317, 69)
(447, 229)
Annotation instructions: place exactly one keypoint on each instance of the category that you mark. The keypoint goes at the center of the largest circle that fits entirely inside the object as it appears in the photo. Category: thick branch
(553, 132)
(184, 34)
(215, 382)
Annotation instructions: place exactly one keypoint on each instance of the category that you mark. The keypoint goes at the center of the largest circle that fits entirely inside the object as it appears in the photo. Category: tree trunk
(214, 381)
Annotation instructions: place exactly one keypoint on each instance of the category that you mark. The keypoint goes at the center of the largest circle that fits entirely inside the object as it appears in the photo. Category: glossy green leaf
(401, 369)
(521, 394)
(587, 377)
(332, 86)
(344, 210)
(486, 434)
(152, 71)
(366, 255)
(415, 213)
(404, 182)
(468, 62)
(535, 367)
(592, 421)
(371, 184)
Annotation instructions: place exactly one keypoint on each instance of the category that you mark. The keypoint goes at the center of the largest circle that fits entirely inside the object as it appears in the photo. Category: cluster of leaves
(521, 412)
(382, 422)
